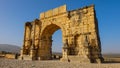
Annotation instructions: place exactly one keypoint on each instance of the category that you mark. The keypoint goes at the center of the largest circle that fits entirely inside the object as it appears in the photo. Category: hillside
(9, 48)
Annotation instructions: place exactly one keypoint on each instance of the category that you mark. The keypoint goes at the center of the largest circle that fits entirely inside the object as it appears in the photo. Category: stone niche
(80, 35)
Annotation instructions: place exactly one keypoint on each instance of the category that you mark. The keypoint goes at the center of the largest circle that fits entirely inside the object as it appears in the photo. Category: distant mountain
(110, 55)
(9, 48)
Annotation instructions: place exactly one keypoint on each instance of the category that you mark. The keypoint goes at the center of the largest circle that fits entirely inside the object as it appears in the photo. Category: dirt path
(7, 63)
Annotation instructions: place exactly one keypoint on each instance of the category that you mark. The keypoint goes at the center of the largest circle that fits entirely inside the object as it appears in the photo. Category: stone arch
(53, 23)
(79, 29)
(46, 41)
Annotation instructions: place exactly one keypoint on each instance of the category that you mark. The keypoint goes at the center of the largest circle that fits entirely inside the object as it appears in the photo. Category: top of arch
(53, 12)
(60, 10)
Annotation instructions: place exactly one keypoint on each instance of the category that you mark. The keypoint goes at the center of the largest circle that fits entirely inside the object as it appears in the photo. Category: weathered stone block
(42, 15)
(49, 13)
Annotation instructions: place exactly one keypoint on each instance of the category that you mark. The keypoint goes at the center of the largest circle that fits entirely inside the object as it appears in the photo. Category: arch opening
(51, 47)
(57, 45)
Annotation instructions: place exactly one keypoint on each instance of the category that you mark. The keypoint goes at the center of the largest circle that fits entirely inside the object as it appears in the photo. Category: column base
(76, 59)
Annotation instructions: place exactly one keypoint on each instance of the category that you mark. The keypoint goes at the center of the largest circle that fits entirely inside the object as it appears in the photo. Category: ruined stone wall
(79, 27)
(83, 26)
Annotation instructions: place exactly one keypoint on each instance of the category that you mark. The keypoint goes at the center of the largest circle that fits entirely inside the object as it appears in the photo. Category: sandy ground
(12, 63)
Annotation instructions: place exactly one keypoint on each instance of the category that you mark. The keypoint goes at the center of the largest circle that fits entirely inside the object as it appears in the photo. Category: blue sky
(14, 14)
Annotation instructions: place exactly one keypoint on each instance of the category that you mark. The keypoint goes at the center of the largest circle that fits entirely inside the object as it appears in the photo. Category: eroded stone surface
(79, 27)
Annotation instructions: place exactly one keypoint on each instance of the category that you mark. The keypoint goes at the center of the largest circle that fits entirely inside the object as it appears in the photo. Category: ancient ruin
(80, 35)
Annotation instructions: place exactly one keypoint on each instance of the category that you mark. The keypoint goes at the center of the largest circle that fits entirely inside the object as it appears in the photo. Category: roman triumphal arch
(80, 35)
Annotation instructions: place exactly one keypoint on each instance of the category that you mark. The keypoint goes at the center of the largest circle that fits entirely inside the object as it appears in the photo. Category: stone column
(33, 53)
(65, 51)
(22, 49)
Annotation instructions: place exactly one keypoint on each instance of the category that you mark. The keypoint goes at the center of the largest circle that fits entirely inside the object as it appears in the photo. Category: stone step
(80, 59)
